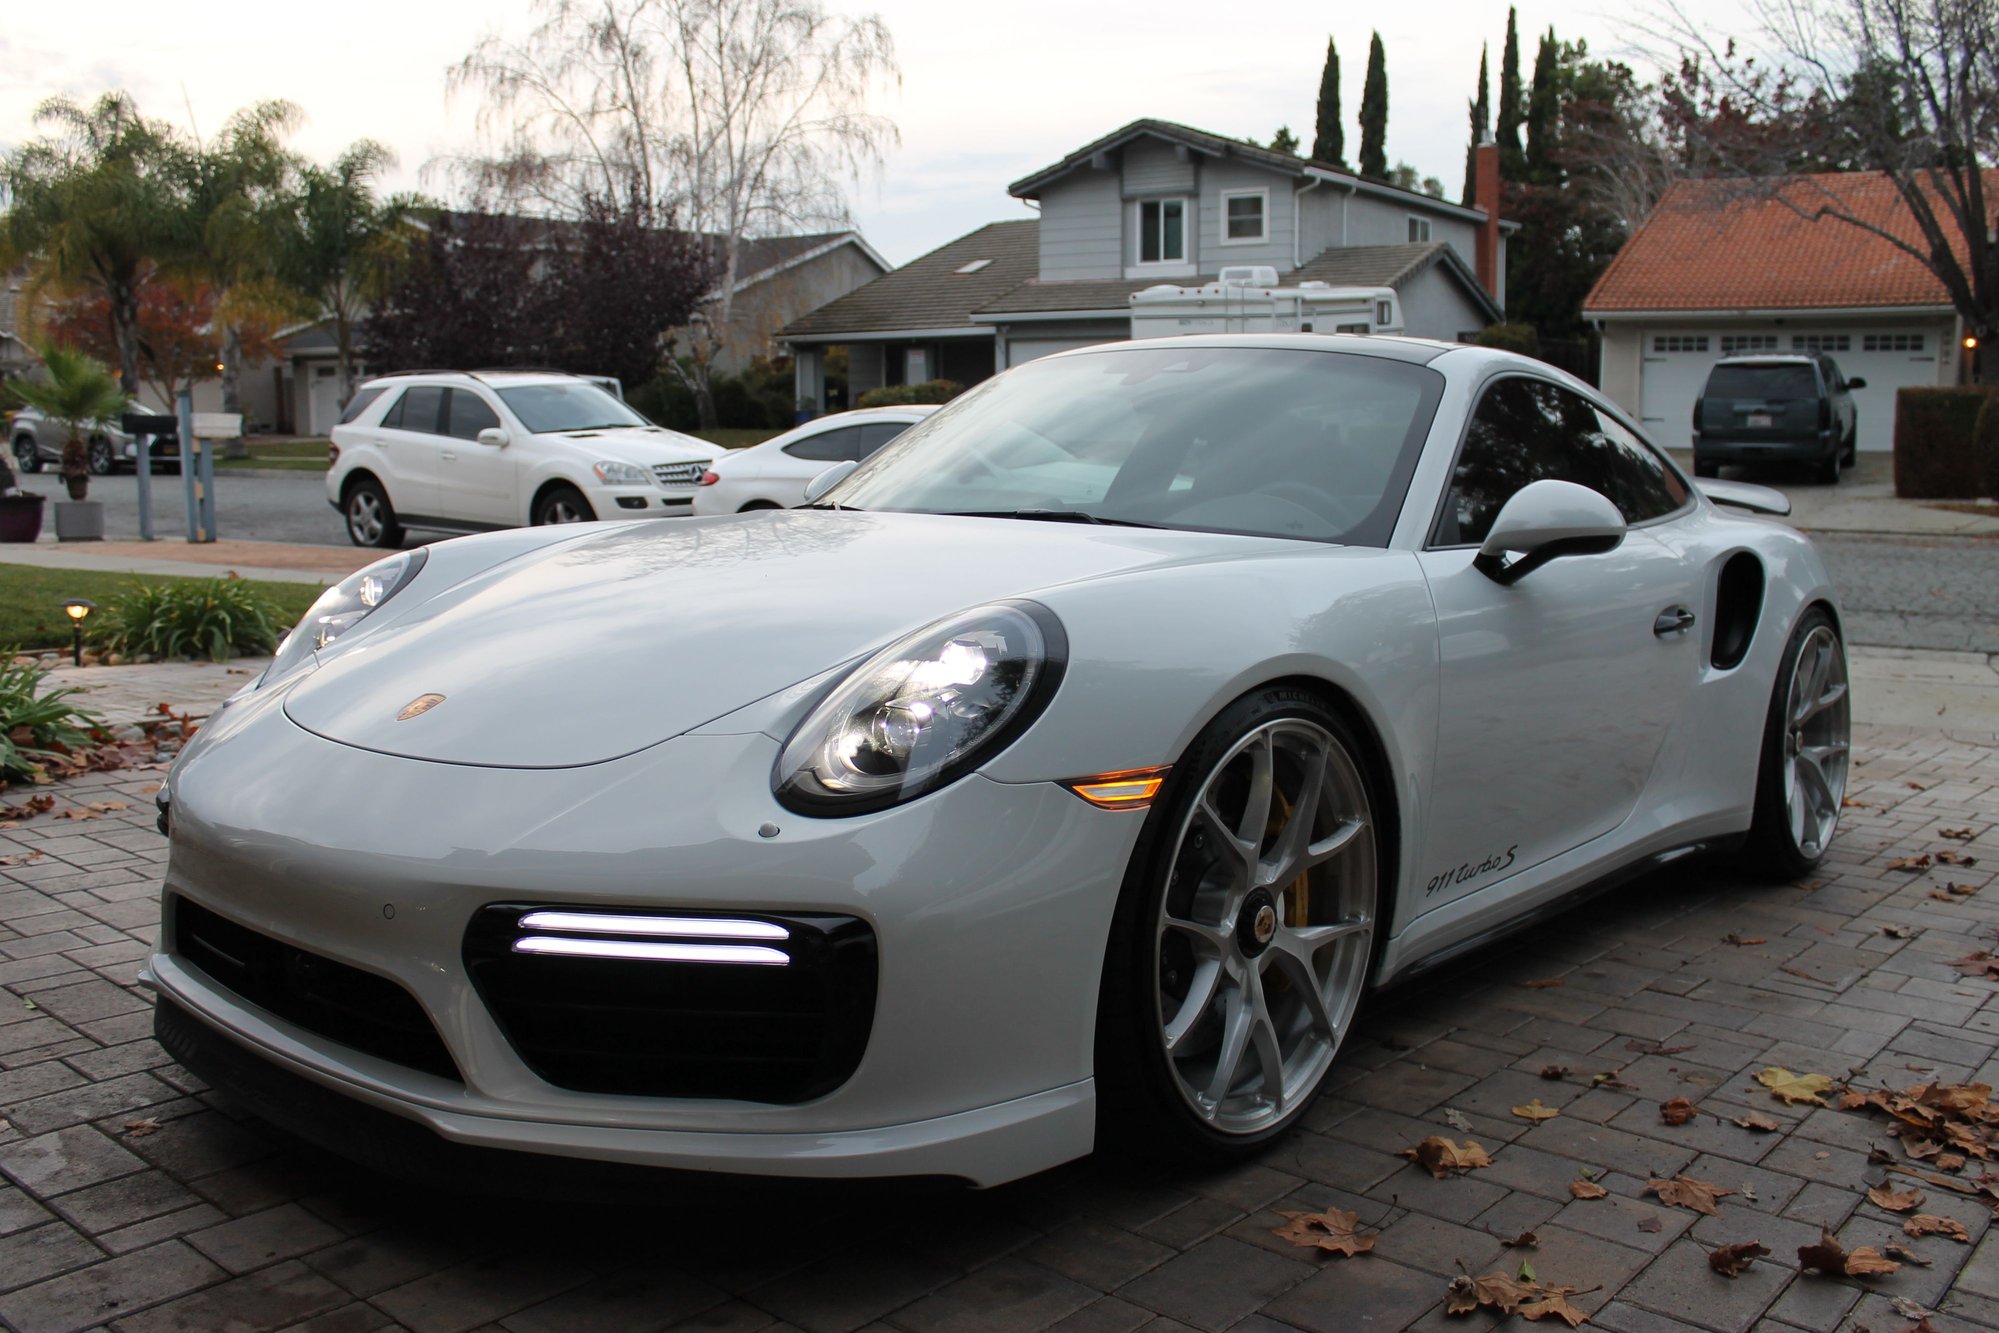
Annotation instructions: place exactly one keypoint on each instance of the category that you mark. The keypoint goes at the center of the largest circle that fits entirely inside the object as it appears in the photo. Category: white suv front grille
(678, 474)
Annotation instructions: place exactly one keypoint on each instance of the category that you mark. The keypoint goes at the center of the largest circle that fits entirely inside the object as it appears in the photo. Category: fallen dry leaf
(1929, 1224)
(1543, 983)
(1913, 865)
(1759, 1122)
(1979, 964)
(1793, 1088)
(1510, 1295)
(1650, 1224)
(1834, 1260)
(1895, 1202)
(1526, 1240)
(1552, 1072)
(1898, 932)
(1730, 1260)
(1586, 1189)
(1456, 1120)
(1741, 943)
(1957, 834)
(1678, 1111)
(1686, 1192)
(1334, 1231)
(1957, 859)
(1440, 1156)
(1533, 1110)
(1654, 1048)
(28, 809)
(1903, 1254)
(138, 1129)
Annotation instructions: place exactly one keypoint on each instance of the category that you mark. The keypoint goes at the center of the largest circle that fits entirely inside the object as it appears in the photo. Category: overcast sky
(989, 93)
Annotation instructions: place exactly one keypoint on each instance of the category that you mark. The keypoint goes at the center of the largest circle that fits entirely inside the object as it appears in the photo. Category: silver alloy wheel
(1266, 926)
(102, 460)
(1817, 731)
(26, 457)
(559, 508)
(365, 520)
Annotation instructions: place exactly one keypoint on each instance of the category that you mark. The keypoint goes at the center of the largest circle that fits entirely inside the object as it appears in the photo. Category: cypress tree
(1329, 139)
(1374, 113)
(1481, 117)
(1512, 163)
(1543, 108)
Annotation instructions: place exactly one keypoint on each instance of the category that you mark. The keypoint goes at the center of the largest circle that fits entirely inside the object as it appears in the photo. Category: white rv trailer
(1247, 299)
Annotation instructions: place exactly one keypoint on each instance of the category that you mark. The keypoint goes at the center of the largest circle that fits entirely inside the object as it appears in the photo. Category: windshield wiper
(1051, 516)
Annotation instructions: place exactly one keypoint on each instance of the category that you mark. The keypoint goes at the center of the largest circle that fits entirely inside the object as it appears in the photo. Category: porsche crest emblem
(418, 706)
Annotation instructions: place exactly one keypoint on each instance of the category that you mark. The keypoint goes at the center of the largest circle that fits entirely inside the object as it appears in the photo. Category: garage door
(1675, 368)
(1027, 349)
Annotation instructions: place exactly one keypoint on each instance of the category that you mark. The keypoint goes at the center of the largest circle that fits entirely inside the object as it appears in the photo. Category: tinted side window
(421, 409)
(359, 403)
(833, 446)
(1833, 375)
(467, 415)
(875, 436)
(1529, 430)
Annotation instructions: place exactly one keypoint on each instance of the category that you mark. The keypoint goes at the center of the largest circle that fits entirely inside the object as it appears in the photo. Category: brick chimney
(1485, 195)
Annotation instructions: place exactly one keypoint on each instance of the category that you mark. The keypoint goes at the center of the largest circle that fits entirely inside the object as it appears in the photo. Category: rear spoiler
(1743, 495)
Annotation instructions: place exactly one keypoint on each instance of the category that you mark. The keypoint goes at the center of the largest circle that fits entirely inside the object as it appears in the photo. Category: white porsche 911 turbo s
(1066, 774)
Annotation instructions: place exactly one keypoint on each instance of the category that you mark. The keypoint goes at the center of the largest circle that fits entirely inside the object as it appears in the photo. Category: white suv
(466, 450)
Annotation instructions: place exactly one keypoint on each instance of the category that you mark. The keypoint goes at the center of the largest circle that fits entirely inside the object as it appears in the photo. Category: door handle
(450, 457)
(1672, 620)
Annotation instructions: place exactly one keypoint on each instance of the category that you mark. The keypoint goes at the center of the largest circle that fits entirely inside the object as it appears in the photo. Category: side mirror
(1856, 384)
(828, 479)
(494, 436)
(1545, 520)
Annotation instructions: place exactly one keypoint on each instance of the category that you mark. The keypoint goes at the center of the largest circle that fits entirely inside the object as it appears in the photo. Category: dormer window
(1245, 217)
(1162, 231)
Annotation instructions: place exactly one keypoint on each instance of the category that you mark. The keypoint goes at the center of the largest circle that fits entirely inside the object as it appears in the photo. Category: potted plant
(20, 511)
(74, 390)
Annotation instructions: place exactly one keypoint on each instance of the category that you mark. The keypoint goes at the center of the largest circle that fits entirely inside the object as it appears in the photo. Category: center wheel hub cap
(1257, 925)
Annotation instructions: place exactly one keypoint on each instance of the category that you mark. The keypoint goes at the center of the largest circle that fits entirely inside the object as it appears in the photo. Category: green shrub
(761, 398)
(1985, 444)
(902, 395)
(1936, 443)
(215, 618)
(32, 720)
(1519, 338)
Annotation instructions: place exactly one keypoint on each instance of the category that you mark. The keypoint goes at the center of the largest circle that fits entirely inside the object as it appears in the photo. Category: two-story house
(1151, 203)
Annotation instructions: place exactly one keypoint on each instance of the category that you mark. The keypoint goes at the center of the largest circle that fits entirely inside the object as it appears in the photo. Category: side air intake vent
(1738, 605)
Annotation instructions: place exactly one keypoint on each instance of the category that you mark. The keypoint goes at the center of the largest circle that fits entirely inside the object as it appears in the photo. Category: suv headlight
(343, 606)
(613, 473)
(924, 710)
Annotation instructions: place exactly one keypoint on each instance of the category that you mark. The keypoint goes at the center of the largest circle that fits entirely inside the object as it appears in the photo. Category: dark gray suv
(1776, 408)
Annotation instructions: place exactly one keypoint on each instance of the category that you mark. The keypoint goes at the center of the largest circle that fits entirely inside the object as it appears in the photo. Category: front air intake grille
(770, 1008)
(359, 1009)
(678, 474)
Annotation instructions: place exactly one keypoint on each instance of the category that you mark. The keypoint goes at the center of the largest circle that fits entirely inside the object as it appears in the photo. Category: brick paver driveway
(137, 1199)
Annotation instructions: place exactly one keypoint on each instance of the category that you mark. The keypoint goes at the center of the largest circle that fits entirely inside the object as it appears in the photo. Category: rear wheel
(1828, 469)
(371, 519)
(1852, 454)
(1801, 779)
(563, 504)
(1244, 937)
(27, 458)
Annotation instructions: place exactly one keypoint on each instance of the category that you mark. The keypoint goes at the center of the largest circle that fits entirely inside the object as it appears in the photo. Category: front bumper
(991, 903)
(622, 502)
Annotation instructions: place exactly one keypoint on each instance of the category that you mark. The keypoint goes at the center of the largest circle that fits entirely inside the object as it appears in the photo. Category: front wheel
(101, 458)
(1244, 936)
(1801, 778)
(27, 458)
(563, 504)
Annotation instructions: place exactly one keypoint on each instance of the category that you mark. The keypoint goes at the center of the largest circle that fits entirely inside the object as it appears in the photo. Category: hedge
(1938, 437)
(902, 395)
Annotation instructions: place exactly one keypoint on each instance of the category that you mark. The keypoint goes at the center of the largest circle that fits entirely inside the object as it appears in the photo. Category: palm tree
(75, 390)
(95, 203)
(342, 247)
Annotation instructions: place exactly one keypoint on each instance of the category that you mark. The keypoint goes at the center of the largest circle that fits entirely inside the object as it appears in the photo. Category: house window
(1419, 229)
(1822, 342)
(1731, 343)
(1162, 231)
(1679, 342)
(1245, 216)
(1891, 342)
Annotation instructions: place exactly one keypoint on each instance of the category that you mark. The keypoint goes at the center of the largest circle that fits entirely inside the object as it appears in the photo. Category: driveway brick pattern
(137, 1199)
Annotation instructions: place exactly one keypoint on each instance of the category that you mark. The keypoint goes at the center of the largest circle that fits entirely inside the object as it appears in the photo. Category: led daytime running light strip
(653, 951)
(698, 927)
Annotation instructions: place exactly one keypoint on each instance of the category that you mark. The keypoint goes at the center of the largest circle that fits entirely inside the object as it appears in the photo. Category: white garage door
(1675, 368)
(1027, 349)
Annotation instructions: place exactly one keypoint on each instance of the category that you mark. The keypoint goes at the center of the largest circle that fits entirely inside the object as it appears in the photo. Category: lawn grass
(300, 455)
(733, 437)
(31, 598)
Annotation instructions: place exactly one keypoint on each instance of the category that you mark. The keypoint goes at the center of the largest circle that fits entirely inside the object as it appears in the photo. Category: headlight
(621, 474)
(344, 606)
(923, 710)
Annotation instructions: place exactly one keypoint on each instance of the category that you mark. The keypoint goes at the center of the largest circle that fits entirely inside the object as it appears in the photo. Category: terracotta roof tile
(1732, 245)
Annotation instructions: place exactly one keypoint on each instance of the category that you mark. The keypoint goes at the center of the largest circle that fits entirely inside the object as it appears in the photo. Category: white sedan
(1065, 775)
(774, 474)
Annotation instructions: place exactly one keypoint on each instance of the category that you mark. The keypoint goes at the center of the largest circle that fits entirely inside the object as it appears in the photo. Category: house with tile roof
(1725, 267)
(1151, 203)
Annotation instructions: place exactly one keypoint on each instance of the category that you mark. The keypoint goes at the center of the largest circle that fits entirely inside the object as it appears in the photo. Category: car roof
(1772, 359)
(1418, 351)
(495, 379)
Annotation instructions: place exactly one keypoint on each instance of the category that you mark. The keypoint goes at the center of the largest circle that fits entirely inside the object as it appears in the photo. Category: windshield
(548, 408)
(1317, 445)
(1783, 380)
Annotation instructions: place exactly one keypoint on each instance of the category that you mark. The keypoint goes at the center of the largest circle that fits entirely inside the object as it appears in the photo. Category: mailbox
(149, 423)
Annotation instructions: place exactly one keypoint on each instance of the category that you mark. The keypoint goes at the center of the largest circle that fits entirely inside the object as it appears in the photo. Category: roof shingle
(1737, 245)
(930, 293)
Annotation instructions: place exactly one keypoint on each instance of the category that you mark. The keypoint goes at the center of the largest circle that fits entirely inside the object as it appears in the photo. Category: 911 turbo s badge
(418, 706)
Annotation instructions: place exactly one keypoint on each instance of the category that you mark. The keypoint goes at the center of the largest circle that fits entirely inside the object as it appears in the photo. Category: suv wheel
(563, 504)
(1829, 468)
(371, 519)
(27, 458)
(1852, 454)
(102, 460)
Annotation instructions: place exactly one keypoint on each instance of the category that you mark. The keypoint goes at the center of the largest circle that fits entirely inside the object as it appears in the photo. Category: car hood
(638, 444)
(614, 643)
